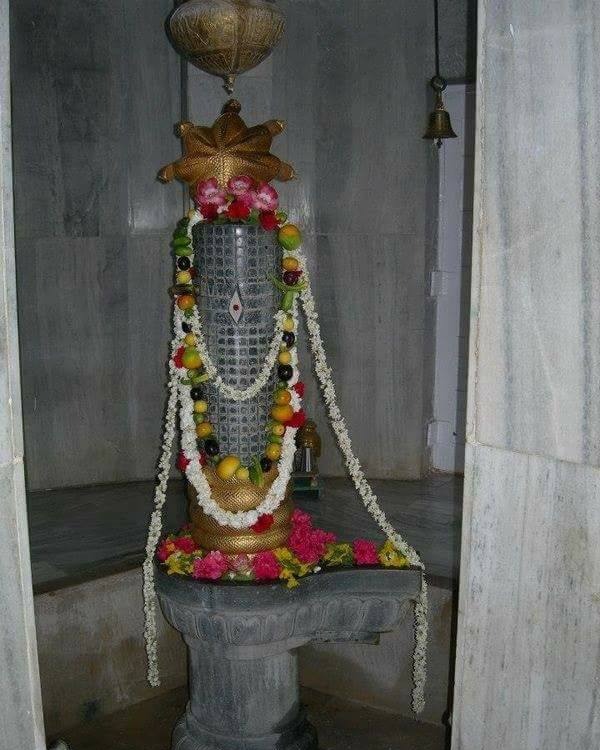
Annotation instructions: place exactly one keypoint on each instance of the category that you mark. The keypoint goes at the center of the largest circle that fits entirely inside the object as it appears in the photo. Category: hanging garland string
(363, 487)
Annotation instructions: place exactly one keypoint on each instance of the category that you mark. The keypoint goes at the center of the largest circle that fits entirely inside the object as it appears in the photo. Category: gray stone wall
(97, 90)
(350, 79)
(95, 94)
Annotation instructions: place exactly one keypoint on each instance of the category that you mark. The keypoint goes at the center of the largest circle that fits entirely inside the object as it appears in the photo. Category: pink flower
(240, 185)
(365, 552)
(208, 192)
(268, 221)
(213, 566)
(265, 197)
(307, 543)
(185, 544)
(240, 563)
(265, 566)
(165, 549)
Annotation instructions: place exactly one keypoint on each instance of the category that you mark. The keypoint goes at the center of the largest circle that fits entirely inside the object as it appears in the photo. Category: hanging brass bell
(439, 126)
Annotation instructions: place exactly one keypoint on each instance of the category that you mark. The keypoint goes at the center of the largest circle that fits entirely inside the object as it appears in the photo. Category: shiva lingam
(237, 301)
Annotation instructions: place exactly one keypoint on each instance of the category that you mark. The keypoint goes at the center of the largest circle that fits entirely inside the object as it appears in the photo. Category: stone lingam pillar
(242, 641)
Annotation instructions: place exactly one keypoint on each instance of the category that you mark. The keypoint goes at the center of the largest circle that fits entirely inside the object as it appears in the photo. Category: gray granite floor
(341, 726)
(86, 532)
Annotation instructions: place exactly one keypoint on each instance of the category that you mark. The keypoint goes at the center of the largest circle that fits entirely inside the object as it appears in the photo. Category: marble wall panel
(21, 721)
(528, 661)
(528, 648)
(538, 298)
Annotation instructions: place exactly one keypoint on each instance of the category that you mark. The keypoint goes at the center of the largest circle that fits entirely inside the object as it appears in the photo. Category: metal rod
(437, 37)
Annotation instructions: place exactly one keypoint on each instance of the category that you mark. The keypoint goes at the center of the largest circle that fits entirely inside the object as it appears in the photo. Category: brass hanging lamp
(439, 126)
(225, 37)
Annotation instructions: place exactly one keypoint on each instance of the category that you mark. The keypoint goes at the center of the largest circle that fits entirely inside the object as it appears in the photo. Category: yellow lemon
(200, 407)
(288, 323)
(284, 357)
(184, 277)
(242, 474)
(190, 340)
(228, 466)
(273, 451)
(278, 430)
(282, 398)
(282, 413)
(204, 429)
(288, 263)
(289, 237)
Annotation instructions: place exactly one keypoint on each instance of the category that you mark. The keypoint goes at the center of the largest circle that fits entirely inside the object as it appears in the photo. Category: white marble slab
(21, 723)
(537, 300)
(528, 659)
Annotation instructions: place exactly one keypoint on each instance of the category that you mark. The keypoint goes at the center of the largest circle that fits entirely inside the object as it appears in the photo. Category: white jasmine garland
(235, 394)
(155, 527)
(196, 477)
(363, 487)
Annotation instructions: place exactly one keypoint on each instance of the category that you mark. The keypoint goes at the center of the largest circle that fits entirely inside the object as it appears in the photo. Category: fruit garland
(195, 366)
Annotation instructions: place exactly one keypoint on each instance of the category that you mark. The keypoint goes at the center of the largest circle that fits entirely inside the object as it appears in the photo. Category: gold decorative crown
(227, 149)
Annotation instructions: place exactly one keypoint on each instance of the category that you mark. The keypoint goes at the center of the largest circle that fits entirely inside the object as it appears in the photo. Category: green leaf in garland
(256, 473)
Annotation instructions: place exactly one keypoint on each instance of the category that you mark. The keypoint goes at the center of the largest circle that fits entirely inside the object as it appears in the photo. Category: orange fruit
(289, 237)
(282, 398)
(185, 302)
(282, 413)
(204, 429)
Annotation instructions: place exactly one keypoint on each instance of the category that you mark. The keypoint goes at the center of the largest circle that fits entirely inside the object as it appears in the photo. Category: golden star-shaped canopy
(227, 149)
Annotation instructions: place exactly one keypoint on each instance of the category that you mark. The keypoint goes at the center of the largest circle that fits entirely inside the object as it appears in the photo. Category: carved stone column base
(242, 641)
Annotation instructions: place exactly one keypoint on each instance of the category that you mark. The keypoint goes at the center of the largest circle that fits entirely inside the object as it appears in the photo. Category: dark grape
(285, 372)
(211, 447)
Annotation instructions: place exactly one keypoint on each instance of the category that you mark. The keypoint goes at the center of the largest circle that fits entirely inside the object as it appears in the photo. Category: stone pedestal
(242, 641)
